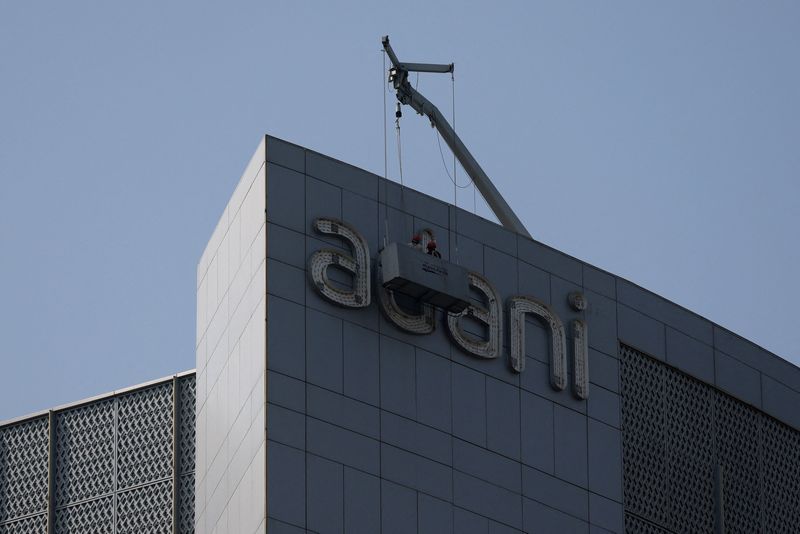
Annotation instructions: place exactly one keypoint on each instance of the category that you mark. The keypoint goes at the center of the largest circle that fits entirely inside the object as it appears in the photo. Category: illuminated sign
(490, 313)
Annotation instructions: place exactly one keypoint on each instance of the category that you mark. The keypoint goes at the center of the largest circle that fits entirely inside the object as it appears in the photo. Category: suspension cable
(453, 103)
(446, 169)
(384, 89)
(399, 148)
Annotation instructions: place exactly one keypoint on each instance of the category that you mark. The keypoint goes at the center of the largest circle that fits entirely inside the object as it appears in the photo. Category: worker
(432, 249)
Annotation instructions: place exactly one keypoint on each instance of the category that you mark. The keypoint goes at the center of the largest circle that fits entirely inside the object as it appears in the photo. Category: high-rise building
(334, 393)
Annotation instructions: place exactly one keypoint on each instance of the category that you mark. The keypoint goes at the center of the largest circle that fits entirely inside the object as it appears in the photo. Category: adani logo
(412, 281)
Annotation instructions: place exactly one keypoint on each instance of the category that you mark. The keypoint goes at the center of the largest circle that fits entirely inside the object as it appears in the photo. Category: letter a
(357, 265)
(491, 316)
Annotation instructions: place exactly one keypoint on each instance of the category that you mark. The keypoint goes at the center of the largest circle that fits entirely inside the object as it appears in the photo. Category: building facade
(564, 399)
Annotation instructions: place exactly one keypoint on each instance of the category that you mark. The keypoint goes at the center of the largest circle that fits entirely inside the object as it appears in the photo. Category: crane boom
(406, 94)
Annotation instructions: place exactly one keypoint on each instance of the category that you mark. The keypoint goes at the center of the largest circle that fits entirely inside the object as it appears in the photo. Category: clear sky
(657, 140)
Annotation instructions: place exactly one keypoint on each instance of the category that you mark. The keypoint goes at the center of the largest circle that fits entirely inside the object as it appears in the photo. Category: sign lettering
(490, 313)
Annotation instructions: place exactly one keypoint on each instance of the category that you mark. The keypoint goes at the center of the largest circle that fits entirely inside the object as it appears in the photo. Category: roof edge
(95, 398)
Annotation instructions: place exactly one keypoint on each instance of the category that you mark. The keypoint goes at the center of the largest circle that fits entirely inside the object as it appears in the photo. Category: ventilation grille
(112, 465)
(675, 430)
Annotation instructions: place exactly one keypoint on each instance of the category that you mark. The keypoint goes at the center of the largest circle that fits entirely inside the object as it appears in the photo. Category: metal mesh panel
(96, 516)
(675, 430)
(186, 504)
(145, 509)
(636, 525)
(738, 447)
(186, 435)
(644, 437)
(84, 452)
(112, 465)
(30, 525)
(690, 452)
(187, 394)
(144, 436)
(23, 469)
(781, 477)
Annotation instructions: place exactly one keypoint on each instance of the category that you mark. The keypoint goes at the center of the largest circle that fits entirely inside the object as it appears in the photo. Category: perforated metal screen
(107, 466)
(676, 429)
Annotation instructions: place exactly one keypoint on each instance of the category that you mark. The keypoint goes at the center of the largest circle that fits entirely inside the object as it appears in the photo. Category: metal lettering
(424, 323)
(518, 307)
(357, 265)
(491, 315)
(580, 374)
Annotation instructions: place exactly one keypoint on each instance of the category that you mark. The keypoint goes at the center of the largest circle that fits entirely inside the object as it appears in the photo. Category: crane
(406, 94)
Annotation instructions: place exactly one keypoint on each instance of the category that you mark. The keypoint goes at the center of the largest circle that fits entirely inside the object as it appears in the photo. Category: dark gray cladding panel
(286, 154)
(362, 502)
(408, 432)
(286, 484)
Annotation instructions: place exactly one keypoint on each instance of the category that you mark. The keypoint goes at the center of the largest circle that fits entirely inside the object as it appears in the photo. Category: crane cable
(385, 149)
(399, 146)
(453, 104)
(455, 177)
(384, 90)
(397, 116)
(446, 169)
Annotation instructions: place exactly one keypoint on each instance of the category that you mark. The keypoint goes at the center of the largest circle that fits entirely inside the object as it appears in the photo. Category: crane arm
(406, 94)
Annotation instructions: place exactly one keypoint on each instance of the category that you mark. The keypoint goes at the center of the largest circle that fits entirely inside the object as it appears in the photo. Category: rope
(384, 90)
(385, 143)
(455, 167)
(402, 184)
(455, 176)
(399, 153)
(441, 153)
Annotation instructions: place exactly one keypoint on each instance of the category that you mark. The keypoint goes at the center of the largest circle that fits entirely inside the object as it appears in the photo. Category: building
(572, 400)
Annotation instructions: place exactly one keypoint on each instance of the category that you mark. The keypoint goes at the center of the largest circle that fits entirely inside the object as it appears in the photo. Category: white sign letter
(518, 307)
(357, 265)
(491, 316)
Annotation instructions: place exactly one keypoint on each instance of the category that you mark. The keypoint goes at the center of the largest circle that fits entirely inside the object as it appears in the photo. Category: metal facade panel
(96, 516)
(145, 509)
(112, 468)
(677, 430)
(781, 477)
(85, 452)
(231, 351)
(23, 470)
(36, 524)
(144, 436)
(187, 396)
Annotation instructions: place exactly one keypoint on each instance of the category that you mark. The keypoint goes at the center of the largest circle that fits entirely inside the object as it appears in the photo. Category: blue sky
(657, 140)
